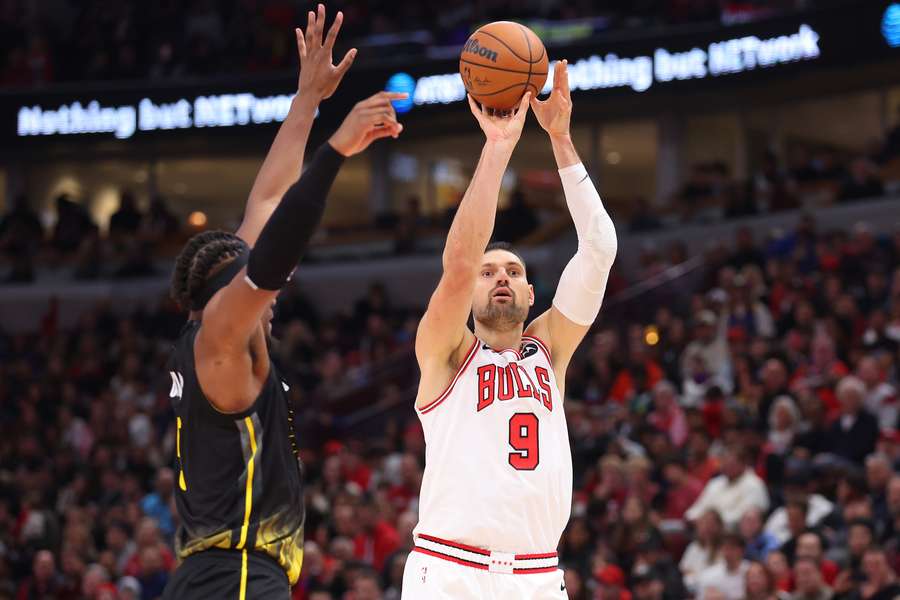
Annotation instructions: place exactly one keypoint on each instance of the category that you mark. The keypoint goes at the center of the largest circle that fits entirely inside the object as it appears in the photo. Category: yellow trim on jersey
(181, 482)
(248, 499)
(243, 594)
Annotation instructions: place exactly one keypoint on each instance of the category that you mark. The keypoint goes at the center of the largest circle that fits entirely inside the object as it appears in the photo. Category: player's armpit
(226, 378)
(561, 334)
(221, 350)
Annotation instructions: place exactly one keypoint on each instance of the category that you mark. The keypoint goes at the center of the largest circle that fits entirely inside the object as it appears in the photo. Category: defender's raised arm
(318, 80)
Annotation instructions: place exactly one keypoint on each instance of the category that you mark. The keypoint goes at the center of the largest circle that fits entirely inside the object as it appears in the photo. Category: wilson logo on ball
(473, 47)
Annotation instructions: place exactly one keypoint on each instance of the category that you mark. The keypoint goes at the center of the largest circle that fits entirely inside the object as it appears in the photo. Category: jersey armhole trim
(541, 345)
(436, 402)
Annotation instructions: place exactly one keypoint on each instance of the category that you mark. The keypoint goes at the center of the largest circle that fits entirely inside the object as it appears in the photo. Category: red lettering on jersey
(486, 377)
(543, 377)
(522, 391)
(505, 389)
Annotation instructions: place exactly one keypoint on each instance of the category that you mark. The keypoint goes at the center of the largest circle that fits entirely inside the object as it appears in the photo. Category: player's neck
(500, 340)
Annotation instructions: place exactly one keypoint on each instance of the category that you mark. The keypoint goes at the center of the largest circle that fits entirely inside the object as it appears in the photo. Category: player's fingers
(333, 30)
(377, 99)
(310, 25)
(564, 79)
(523, 106)
(346, 62)
(379, 115)
(384, 99)
(394, 95)
(474, 108)
(320, 22)
(301, 43)
(557, 70)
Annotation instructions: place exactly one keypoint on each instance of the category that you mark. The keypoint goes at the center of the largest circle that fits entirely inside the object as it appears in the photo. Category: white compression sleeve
(582, 284)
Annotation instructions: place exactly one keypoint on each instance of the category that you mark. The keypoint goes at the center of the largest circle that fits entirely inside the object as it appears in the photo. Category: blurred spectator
(854, 434)
(881, 397)
(733, 492)
(760, 585)
(881, 581)
(667, 415)
(125, 221)
(704, 362)
(814, 508)
(705, 550)
(157, 505)
(44, 581)
(611, 584)
(366, 586)
(809, 547)
(809, 583)
(73, 225)
(757, 542)
(683, 488)
(728, 575)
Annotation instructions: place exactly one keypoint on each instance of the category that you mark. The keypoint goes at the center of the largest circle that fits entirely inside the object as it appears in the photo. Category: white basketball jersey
(498, 469)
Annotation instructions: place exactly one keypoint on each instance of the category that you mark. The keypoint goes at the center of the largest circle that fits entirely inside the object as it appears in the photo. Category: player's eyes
(514, 273)
(486, 273)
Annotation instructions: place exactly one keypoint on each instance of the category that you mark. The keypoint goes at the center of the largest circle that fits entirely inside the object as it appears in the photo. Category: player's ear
(530, 295)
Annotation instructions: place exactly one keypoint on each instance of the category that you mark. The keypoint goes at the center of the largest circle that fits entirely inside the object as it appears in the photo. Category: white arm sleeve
(582, 284)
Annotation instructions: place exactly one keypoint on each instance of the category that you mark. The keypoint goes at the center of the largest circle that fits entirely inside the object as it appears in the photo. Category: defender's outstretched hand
(505, 129)
(554, 113)
(371, 119)
(318, 76)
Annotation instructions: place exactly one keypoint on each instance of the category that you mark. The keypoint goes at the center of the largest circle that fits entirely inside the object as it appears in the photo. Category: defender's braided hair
(202, 257)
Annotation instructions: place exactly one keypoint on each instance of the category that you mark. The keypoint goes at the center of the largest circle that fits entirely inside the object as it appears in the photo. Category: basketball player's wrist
(305, 102)
(500, 147)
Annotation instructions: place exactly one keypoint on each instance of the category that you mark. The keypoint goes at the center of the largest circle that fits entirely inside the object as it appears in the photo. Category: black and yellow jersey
(239, 481)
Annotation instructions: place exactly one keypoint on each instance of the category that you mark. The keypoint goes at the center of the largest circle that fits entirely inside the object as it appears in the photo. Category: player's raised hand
(507, 128)
(318, 76)
(554, 113)
(370, 119)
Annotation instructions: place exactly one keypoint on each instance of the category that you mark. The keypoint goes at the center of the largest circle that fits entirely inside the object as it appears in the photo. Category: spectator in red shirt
(684, 489)
(640, 373)
(611, 582)
(376, 539)
(823, 372)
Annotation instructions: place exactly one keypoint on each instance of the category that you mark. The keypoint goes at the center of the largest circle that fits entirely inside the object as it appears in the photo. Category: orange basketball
(500, 62)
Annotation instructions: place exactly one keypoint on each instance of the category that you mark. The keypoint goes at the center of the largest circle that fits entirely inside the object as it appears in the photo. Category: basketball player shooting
(239, 494)
(497, 489)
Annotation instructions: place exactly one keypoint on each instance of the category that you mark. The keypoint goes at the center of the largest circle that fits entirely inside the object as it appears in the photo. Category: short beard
(502, 317)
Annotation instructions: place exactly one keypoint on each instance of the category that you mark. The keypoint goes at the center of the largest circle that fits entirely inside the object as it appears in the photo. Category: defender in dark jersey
(239, 492)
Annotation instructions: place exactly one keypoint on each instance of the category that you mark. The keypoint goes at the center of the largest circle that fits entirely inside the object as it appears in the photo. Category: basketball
(500, 62)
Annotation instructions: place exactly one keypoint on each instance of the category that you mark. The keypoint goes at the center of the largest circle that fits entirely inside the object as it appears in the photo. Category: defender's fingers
(333, 30)
(346, 62)
(301, 43)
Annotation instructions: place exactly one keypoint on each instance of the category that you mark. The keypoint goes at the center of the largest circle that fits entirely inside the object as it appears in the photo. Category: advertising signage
(849, 35)
(727, 56)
